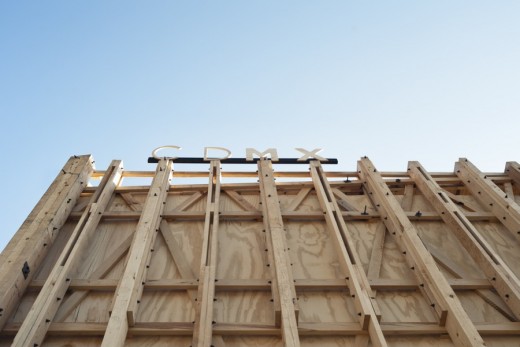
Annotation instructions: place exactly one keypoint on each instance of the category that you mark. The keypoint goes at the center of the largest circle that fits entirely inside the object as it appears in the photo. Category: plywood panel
(438, 235)
(479, 310)
(242, 251)
(420, 203)
(244, 307)
(327, 307)
(108, 236)
(175, 200)
(359, 202)
(244, 310)
(328, 341)
(200, 205)
(404, 306)
(363, 235)
(413, 341)
(252, 341)
(119, 204)
(161, 264)
(311, 250)
(130, 342)
(23, 308)
(55, 250)
(157, 341)
(502, 341)
(188, 235)
(393, 264)
(165, 306)
(310, 203)
(228, 204)
(72, 342)
(93, 309)
(503, 243)
(287, 196)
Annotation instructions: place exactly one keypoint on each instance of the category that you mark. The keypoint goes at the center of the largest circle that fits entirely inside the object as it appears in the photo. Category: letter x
(310, 154)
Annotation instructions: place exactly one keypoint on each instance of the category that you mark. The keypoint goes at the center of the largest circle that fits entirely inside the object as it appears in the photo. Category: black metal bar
(191, 160)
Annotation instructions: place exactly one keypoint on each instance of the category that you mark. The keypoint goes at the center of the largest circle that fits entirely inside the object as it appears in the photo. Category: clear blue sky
(394, 80)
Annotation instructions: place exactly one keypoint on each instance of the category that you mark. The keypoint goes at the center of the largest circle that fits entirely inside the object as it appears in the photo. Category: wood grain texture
(502, 242)
(312, 251)
(242, 251)
(244, 307)
(130, 288)
(30, 244)
(435, 286)
(35, 325)
(505, 282)
(280, 254)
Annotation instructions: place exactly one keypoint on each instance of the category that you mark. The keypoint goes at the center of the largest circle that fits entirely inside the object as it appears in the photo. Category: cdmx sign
(252, 156)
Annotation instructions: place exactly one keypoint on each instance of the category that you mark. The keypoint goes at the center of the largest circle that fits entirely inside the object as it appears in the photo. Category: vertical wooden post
(358, 284)
(35, 325)
(501, 277)
(433, 284)
(274, 223)
(270, 258)
(30, 244)
(513, 170)
(203, 330)
(488, 193)
(130, 288)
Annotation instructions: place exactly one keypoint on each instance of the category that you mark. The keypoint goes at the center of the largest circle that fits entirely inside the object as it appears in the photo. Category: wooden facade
(266, 258)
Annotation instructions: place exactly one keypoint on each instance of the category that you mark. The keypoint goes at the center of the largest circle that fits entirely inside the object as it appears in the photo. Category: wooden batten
(500, 203)
(253, 258)
(286, 291)
(130, 287)
(500, 276)
(31, 243)
(513, 171)
(355, 276)
(433, 284)
(202, 333)
(35, 325)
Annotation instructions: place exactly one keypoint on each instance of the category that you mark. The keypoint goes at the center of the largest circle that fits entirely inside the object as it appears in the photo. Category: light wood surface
(296, 259)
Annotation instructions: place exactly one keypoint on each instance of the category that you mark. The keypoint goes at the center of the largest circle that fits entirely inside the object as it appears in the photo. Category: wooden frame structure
(306, 258)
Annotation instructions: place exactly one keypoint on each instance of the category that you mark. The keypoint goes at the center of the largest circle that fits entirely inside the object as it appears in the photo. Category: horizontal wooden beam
(351, 187)
(225, 285)
(352, 175)
(304, 329)
(288, 215)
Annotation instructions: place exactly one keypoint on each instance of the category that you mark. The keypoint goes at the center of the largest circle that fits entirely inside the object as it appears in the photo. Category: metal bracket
(25, 270)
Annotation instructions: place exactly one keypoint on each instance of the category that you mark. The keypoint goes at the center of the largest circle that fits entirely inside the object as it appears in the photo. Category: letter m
(270, 151)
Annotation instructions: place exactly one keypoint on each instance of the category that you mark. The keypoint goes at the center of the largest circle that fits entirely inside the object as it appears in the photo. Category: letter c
(154, 152)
